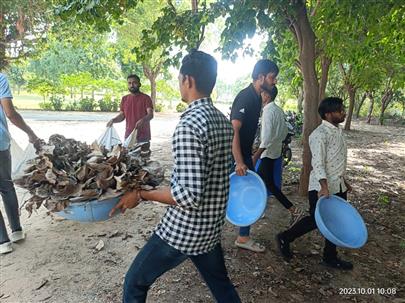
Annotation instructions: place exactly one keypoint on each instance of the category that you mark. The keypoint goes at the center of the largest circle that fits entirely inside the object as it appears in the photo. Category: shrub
(108, 104)
(181, 107)
(45, 105)
(57, 102)
(72, 106)
(159, 107)
(87, 104)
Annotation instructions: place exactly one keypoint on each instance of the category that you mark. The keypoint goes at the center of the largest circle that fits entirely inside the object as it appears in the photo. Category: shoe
(284, 248)
(338, 264)
(17, 236)
(251, 245)
(6, 248)
(296, 215)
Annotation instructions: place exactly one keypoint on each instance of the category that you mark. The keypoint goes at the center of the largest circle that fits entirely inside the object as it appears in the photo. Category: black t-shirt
(246, 108)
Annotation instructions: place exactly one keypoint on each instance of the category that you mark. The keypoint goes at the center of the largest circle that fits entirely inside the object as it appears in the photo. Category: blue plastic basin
(247, 199)
(89, 211)
(277, 173)
(340, 222)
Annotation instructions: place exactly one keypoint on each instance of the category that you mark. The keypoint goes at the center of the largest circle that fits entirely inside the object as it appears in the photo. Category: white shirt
(329, 157)
(273, 131)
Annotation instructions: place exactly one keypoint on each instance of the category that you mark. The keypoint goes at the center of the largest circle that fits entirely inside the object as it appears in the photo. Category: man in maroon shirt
(137, 110)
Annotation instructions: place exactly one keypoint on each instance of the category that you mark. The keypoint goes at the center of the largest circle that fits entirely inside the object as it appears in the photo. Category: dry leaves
(67, 171)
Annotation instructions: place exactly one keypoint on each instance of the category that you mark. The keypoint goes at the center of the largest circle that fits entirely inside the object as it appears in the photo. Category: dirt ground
(58, 261)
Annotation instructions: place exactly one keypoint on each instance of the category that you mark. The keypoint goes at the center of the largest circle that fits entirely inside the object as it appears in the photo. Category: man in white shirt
(329, 156)
(272, 134)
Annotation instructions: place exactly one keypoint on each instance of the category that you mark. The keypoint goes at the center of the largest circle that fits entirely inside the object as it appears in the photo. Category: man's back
(202, 145)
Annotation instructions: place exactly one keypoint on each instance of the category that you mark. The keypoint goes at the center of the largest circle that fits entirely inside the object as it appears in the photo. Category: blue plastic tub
(89, 211)
(247, 199)
(340, 222)
(278, 173)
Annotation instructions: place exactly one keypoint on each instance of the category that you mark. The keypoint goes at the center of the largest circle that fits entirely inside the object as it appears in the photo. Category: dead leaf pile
(67, 171)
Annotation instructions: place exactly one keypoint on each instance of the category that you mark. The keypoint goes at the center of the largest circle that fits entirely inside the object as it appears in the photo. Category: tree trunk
(152, 81)
(71, 93)
(352, 97)
(385, 101)
(18, 89)
(325, 64)
(371, 107)
(152, 75)
(306, 42)
(300, 100)
(93, 94)
(359, 106)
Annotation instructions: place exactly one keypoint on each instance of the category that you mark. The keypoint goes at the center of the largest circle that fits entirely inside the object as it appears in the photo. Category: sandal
(251, 245)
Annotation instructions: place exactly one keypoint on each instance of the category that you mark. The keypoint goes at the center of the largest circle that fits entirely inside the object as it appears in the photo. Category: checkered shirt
(202, 151)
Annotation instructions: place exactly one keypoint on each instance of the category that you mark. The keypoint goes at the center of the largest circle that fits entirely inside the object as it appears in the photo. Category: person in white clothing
(329, 156)
(272, 133)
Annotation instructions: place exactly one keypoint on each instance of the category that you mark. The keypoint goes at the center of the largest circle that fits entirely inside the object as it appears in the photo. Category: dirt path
(58, 261)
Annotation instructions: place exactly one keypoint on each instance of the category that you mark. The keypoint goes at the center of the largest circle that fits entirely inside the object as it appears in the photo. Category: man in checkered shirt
(198, 192)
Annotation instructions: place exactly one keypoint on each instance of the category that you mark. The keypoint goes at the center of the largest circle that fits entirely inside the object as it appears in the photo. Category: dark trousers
(158, 257)
(266, 172)
(307, 224)
(9, 197)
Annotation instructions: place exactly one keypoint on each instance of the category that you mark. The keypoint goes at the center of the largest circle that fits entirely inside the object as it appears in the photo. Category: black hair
(134, 77)
(272, 92)
(264, 67)
(330, 105)
(203, 68)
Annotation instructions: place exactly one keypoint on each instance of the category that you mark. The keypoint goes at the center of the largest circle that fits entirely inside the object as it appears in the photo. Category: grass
(26, 101)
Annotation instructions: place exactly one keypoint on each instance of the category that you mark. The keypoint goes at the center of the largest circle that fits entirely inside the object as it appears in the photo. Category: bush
(87, 104)
(181, 107)
(107, 104)
(57, 102)
(159, 107)
(72, 106)
(45, 105)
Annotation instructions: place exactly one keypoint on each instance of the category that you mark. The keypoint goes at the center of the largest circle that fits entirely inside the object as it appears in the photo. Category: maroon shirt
(135, 108)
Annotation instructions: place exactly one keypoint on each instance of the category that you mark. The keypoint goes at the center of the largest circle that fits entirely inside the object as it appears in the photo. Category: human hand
(324, 192)
(139, 124)
(241, 169)
(110, 123)
(128, 200)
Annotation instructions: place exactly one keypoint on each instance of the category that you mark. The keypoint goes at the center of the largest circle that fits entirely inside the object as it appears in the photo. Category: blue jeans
(158, 257)
(245, 231)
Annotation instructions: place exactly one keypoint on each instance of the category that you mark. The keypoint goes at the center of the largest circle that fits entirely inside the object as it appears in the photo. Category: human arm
(16, 119)
(145, 119)
(257, 155)
(119, 118)
(133, 198)
(241, 167)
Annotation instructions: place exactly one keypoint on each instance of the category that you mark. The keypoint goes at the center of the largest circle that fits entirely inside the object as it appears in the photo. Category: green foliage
(181, 107)
(159, 107)
(45, 105)
(108, 104)
(56, 102)
(87, 104)
(72, 106)
(384, 199)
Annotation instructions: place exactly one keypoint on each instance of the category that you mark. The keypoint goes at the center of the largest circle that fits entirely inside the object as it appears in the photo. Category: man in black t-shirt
(245, 115)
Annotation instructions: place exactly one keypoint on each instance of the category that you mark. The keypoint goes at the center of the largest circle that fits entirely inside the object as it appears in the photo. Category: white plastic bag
(28, 154)
(131, 141)
(16, 153)
(109, 138)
